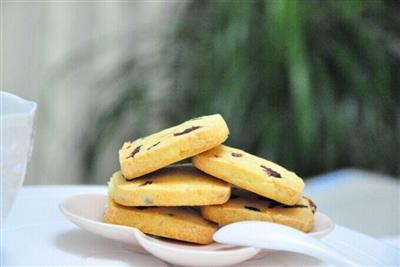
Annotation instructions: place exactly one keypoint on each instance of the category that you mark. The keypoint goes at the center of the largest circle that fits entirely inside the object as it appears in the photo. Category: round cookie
(158, 150)
(252, 173)
(299, 216)
(176, 185)
(181, 223)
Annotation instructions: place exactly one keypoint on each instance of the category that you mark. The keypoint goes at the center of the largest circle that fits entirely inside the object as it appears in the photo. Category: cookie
(252, 173)
(180, 223)
(299, 216)
(176, 185)
(158, 150)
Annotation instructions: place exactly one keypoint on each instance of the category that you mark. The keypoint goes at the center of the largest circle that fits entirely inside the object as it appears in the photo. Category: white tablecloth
(36, 233)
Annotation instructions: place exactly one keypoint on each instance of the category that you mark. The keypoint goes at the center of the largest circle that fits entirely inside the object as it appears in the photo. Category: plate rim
(72, 217)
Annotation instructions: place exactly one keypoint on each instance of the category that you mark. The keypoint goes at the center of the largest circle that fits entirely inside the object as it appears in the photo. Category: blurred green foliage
(313, 85)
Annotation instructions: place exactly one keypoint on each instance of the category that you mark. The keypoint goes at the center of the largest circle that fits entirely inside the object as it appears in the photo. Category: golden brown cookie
(252, 173)
(299, 216)
(176, 185)
(158, 150)
(181, 223)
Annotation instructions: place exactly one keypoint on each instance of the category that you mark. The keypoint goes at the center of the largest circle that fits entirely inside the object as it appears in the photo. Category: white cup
(16, 121)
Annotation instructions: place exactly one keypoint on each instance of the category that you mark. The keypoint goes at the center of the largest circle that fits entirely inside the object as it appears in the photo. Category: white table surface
(36, 234)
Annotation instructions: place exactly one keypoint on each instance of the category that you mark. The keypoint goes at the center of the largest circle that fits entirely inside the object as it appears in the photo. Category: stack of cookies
(188, 202)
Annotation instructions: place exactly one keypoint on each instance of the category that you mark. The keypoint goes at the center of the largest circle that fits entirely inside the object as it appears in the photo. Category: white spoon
(86, 211)
(278, 237)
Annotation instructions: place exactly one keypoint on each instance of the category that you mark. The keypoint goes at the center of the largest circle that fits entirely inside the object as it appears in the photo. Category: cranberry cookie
(299, 216)
(252, 173)
(183, 224)
(176, 185)
(158, 150)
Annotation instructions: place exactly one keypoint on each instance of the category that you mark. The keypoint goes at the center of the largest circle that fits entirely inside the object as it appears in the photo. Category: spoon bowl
(87, 210)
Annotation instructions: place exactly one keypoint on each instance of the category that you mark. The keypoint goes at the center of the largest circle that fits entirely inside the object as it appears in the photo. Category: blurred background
(313, 85)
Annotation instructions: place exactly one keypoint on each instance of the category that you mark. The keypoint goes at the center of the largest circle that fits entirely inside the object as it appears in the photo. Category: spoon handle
(278, 237)
(319, 250)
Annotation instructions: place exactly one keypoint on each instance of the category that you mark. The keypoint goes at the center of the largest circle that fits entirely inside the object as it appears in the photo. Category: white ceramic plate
(86, 211)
